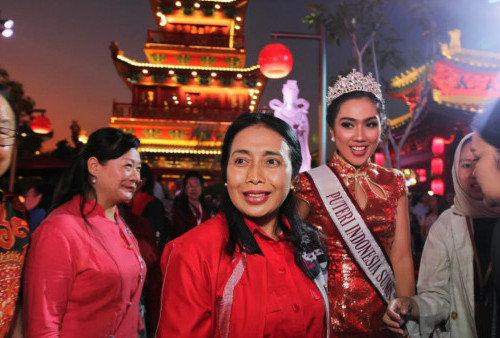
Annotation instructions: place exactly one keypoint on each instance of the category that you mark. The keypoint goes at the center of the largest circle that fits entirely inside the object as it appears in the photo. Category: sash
(358, 239)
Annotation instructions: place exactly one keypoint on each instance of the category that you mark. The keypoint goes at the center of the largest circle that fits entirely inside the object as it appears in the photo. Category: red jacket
(202, 282)
(82, 280)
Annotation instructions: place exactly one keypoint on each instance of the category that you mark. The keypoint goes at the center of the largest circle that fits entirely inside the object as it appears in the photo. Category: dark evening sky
(60, 52)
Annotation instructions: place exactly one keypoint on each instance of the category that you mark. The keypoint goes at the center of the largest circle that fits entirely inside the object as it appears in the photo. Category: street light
(321, 37)
(6, 26)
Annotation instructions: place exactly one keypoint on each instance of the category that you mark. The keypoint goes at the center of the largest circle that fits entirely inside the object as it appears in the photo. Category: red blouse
(356, 309)
(208, 293)
(292, 297)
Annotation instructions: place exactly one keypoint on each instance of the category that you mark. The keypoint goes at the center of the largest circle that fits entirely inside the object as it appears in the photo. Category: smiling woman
(362, 209)
(256, 269)
(83, 249)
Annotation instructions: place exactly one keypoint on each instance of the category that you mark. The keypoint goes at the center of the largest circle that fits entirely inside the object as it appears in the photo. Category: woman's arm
(48, 279)
(186, 301)
(400, 256)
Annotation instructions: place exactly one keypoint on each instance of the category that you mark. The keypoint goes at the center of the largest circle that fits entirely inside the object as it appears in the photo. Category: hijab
(464, 204)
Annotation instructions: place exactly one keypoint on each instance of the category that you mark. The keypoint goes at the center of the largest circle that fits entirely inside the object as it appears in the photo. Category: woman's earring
(225, 184)
(94, 180)
(333, 139)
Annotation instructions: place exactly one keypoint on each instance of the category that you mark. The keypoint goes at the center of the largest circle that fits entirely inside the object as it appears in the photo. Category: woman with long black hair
(255, 269)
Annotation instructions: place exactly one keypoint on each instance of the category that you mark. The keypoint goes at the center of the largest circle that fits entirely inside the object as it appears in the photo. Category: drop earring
(333, 139)
(94, 180)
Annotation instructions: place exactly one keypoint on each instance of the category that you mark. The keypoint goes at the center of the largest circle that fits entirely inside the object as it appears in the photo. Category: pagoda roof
(461, 80)
(128, 68)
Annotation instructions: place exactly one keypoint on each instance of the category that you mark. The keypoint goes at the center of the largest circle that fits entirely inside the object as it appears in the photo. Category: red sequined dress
(14, 238)
(356, 309)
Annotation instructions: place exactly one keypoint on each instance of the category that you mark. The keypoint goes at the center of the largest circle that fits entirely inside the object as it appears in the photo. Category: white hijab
(464, 204)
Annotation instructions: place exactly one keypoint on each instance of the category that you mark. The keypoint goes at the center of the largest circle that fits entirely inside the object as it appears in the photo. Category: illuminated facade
(462, 80)
(193, 85)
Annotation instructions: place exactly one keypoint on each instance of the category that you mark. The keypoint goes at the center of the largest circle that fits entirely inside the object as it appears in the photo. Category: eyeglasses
(7, 137)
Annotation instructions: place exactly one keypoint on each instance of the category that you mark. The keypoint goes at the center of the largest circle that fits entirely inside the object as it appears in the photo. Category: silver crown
(354, 81)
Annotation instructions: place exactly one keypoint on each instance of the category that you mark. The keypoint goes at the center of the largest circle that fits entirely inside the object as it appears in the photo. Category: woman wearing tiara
(362, 209)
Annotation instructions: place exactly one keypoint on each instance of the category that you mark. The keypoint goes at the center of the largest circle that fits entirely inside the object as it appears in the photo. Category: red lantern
(422, 175)
(437, 145)
(275, 61)
(379, 159)
(41, 125)
(437, 166)
(437, 187)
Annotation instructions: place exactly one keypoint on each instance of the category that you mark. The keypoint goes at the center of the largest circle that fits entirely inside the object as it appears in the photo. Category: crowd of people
(322, 253)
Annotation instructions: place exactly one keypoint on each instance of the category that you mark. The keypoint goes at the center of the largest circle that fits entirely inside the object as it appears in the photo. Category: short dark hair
(239, 234)
(334, 107)
(190, 174)
(105, 144)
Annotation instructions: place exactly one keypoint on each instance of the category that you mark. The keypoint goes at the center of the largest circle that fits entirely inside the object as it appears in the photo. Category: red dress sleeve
(186, 309)
(303, 189)
(400, 188)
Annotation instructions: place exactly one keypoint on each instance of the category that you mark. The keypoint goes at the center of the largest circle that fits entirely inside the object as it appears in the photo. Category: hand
(398, 312)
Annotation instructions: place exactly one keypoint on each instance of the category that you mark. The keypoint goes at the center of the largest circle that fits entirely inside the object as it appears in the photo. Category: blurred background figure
(14, 229)
(422, 207)
(145, 204)
(190, 209)
(437, 205)
(454, 292)
(38, 200)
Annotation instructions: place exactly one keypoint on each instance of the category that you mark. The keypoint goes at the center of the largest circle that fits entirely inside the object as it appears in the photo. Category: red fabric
(14, 238)
(196, 271)
(140, 201)
(356, 309)
(183, 223)
(293, 297)
(82, 280)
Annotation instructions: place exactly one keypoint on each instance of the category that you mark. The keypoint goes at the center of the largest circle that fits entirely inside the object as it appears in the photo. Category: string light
(220, 69)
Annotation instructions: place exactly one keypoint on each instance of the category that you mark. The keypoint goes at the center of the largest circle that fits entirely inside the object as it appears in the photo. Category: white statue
(294, 112)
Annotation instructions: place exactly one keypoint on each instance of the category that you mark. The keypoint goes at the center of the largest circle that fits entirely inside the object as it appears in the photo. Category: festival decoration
(41, 125)
(275, 61)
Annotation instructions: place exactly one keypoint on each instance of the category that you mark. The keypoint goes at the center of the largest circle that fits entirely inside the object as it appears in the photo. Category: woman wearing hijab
(455, 267)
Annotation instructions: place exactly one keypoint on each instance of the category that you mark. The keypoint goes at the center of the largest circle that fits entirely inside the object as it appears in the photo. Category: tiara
(354, 81)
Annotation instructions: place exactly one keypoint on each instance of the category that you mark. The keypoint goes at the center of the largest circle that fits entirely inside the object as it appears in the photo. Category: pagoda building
(461, 80)
(192, 87)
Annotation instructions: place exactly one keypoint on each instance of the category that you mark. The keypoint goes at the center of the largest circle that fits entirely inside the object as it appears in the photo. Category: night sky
(60, 52)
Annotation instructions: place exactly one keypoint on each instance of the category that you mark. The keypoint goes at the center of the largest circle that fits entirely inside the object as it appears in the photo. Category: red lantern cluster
(41, 125)
(275, 61)
(422, 175)
(437, 165)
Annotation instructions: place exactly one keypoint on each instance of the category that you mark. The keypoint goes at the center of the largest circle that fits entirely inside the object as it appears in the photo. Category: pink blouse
(83, 280)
